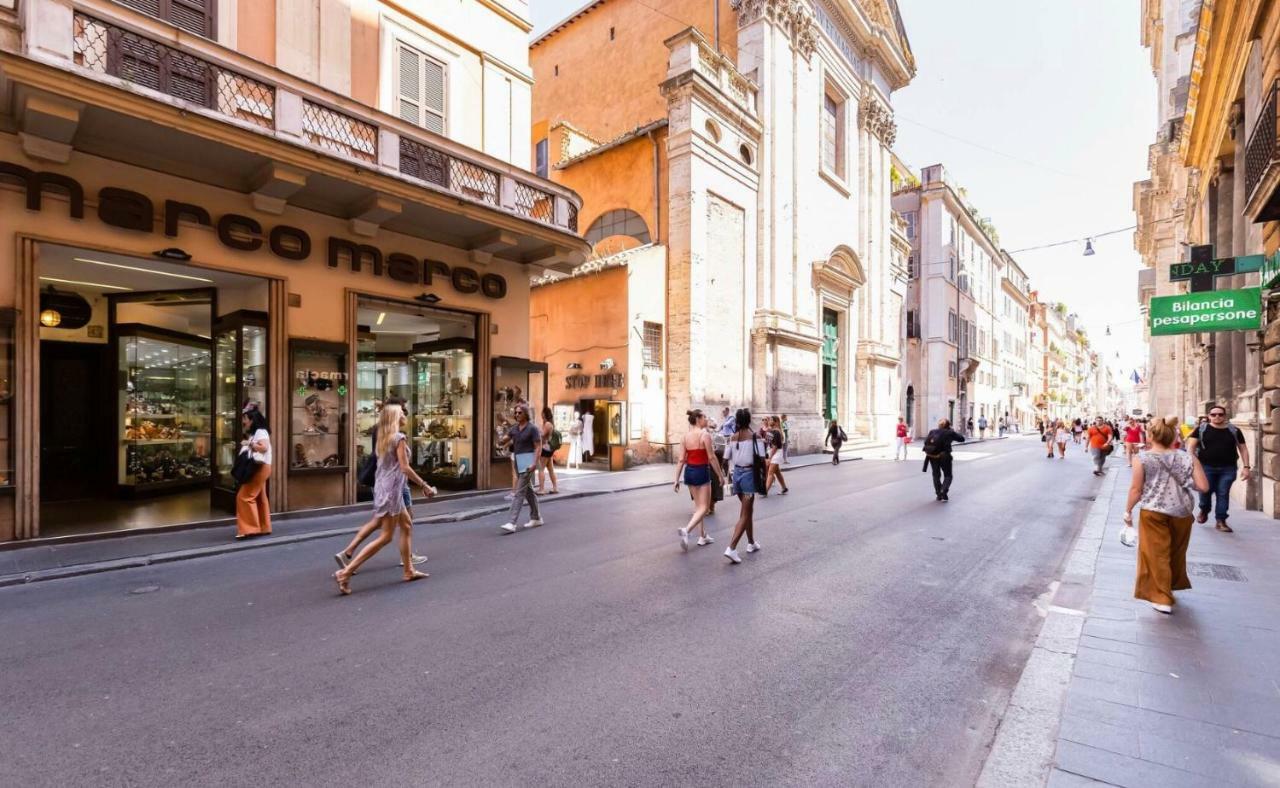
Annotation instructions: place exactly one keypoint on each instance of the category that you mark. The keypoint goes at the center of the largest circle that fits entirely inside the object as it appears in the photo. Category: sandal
(415, 575)
(344, 583)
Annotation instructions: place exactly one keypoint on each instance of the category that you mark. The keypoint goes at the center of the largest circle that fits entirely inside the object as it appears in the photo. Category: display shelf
(240, 376)
(318, 407)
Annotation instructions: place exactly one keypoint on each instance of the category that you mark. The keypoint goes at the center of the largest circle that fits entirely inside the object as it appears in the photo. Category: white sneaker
(732, 555)
(534, 523)
(417, 559)
(509, 528)
(684, 539)
(753, 547)
(1166, 609)
(703, 541)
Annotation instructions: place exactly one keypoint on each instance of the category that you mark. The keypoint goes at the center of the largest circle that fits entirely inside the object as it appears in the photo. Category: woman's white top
(265, 437)
(1063, 436)
(740, 454)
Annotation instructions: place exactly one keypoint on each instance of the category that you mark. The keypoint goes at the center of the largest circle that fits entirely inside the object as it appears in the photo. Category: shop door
(830, 364)
(75, 444)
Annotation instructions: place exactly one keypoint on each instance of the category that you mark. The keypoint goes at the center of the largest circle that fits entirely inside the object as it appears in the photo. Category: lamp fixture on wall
(573, 365)
(606, 364)
(427, 298)
(172, 253)
(1088, 247)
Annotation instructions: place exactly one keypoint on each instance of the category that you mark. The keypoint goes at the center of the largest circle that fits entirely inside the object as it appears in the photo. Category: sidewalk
(53, 559)
(1130, 697)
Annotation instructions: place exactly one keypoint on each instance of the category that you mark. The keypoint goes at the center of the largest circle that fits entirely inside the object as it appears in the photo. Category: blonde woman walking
(1162, 478)
(1062, 436)
(388, 501)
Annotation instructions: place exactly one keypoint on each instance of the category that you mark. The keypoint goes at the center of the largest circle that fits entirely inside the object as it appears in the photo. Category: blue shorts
(697, 475)
(744, 481)
(408, 499)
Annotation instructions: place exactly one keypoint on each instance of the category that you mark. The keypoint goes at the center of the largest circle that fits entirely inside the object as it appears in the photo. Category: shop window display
(318, 412)
(516, 381)
(240, 376)
(165, 405)
(442, 406)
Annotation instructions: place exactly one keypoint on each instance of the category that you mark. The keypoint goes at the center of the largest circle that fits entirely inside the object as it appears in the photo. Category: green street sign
(1222, 310)
(1271, 271)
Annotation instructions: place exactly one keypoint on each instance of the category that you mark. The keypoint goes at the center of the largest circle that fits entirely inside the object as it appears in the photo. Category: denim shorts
(697, 475)
(408, 498)
(744, 481)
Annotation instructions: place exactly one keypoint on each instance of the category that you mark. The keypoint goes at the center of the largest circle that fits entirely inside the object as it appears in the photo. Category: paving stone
(1061, 779)
(1110, 767)
(1105, 711)
(1211, 759)
(1116, 693)
(1121, 739)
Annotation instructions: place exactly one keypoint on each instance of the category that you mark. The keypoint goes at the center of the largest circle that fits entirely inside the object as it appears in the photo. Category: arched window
(619, 221)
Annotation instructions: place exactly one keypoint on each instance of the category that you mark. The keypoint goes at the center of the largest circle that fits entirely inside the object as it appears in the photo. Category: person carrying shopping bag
(253, 510)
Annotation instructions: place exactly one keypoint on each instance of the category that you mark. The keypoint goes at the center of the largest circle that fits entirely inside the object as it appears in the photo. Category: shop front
(134, 329)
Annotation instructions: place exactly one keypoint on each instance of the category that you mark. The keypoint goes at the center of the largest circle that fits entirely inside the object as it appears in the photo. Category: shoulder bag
(244, 466)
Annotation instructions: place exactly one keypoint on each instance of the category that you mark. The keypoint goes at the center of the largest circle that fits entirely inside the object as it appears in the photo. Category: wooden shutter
(433, 95)
(409, 88)
(420, 161)
(155, 66)
(194, 16)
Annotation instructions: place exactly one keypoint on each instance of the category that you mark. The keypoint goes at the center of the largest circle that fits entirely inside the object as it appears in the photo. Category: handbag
(758, 467)
(1128, 536)
(368, 472)
(244, 466)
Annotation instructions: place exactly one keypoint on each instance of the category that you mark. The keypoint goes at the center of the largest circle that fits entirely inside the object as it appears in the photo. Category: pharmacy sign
(1221, 310)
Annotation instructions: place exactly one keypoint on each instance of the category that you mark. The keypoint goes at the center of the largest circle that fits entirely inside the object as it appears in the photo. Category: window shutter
(135, 59)
(189, 79)
(194, 16)
(428, 164)
(433, 95)
(410, 88)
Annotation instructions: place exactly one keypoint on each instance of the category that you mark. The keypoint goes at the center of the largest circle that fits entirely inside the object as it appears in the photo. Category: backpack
(556, 440)
(931, 449)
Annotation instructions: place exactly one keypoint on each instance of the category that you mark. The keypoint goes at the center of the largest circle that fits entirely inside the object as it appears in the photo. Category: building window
(833, 134)
(913, 327)
(652, 349)
(953, 326)
(194, 16)
(913, 266)
(420, 89)
(540, 157)
(619, 221)
(910, 217)
(965, 344)
(951, 369)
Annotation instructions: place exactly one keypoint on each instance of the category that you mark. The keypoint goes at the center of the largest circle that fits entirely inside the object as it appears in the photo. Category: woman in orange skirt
(253, 512)
(1161, 486)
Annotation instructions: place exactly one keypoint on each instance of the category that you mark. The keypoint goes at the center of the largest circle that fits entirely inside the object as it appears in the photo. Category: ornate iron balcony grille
(573, 218)
(340, 133)
(1261, 150)
(421, 161)
(111, 50)
(535, 203)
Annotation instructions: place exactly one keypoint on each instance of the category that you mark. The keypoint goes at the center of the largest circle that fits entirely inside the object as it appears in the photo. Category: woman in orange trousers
(1161, 483)
(253, 512)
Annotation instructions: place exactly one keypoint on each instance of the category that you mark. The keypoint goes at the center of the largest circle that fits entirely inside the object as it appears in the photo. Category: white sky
(1043, 110)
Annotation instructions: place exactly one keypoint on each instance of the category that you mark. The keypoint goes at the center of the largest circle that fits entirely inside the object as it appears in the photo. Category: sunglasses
(1216, 415)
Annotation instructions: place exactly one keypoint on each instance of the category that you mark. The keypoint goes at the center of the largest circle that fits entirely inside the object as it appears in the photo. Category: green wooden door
(830, 364)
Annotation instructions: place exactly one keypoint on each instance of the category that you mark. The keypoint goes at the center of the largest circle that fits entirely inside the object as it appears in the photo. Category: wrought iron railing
(338, 132)
(534, 202)
(108, 49)
(1260, 153)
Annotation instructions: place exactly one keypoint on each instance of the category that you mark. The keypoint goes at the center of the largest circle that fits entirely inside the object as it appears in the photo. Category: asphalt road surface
(874, 640)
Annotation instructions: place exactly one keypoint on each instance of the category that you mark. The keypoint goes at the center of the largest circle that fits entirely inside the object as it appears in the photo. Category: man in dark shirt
(937, 454)
(1218, 444)
(525, 441)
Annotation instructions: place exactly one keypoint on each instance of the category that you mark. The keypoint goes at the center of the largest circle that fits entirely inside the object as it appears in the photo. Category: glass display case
(7, 321)
(165, 404)
(239, 377)
(516, 380)
(441, 426)
(318, 407)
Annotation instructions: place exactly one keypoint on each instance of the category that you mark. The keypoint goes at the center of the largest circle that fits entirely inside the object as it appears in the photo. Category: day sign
(1222, 310)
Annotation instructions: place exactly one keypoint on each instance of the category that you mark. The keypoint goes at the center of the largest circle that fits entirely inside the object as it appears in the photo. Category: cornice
(793, 17)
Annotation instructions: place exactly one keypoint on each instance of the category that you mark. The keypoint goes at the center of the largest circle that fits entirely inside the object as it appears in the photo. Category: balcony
(1262, 164)
(147, 93)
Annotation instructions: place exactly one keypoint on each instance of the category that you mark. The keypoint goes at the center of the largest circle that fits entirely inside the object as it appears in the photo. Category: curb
(116, 564)
(1026, 737)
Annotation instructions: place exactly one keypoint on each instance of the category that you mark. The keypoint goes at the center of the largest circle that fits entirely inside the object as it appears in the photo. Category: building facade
(1227, 142)
(304, 204)
(1175, 364)
(755, 155)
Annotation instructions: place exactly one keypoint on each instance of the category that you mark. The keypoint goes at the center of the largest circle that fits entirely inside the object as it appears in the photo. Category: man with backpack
(1218, 444)
(937, 454)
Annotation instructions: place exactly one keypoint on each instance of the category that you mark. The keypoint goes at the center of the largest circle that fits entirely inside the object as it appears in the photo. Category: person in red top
(699, 473)
(900, 443)
(1133, 438)
(1099, 444)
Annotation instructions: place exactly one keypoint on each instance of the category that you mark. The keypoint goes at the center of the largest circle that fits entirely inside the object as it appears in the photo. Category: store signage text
(1223, 310)
(131, 210)
(612, 380)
